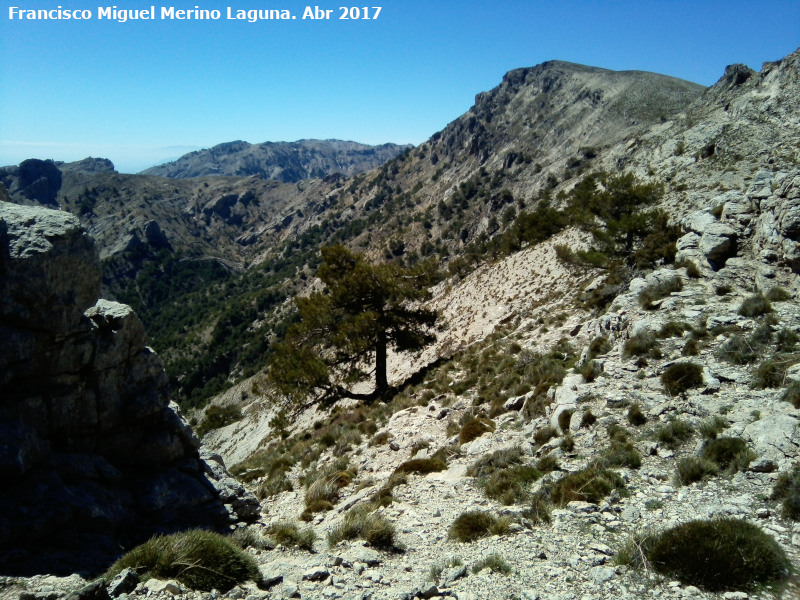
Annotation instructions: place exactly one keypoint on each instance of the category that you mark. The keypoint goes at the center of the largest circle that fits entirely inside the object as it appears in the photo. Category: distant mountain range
(281, 161)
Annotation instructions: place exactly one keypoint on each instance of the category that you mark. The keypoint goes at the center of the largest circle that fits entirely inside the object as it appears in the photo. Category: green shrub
(567, 443)
(474, 524)
(503, 477)
(494, 562)
(655, 291)
(200, 560)
(787, 490)
(563, 420)
(422, 466)
(288, 533)
(674, 433)
(731, 454)
(599, 345)
(474, 428)
(772, 373)
(617, 433)
(710, 428)
(739, 350)
(547, 464)
(588, 419)
(692, 469)
(591, 370)
(510, 486)
(323, 485)
(273, 486)
(380, 439)
(673, 329)
(545, 434)
(778, 294)
(717, 555)
(691, 348)
(636, 416)
(792, 394)
(680, 377)
(361, 522)
(755, 305)
(642, 344)
(692, 270)
(620, 454)
(786, 340)
(587, 485)
(217, 417)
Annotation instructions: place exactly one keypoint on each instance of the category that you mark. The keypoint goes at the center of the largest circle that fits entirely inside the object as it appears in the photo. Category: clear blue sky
(143, 92)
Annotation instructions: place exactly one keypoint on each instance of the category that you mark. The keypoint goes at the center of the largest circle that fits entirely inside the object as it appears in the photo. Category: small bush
(712, 427)
(680, 377)
(599, 345)
(692, 270)
(692, 469)
(494, 562)
(739, 350)
(620, 454)
(591, 370)
(588, 485)
(422, 466)
(564, 419)
(474, 428)
(644, 345)
(635, 415)
(217, 417)
(288, 533)
(755, 305)
(200, 560)
(674, 433)
(792, 394)
(273, 486)
(717, 555)
(673, 329)
(510, 486)
(691, 348)
(545, 434)
(649, 295)
(547, 464)
(567, 443)
(361, 522)
(588, 419)
(474, 524)
(723, 290)
(323, 485)
(770, 374)
(787, 490)
(617, 433)
(731, 454)
(778, 294)
(503, 477)
(380, 439)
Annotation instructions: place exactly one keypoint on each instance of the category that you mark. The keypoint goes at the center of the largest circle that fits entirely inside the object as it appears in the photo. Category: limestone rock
(92, 456)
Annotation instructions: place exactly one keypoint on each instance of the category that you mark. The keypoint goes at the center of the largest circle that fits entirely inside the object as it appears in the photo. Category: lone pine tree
(345, 331)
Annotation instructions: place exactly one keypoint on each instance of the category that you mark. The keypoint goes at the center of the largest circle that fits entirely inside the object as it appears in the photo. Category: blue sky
(143, 92)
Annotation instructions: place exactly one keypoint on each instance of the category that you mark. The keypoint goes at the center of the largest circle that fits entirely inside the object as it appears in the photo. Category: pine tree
(345, 331)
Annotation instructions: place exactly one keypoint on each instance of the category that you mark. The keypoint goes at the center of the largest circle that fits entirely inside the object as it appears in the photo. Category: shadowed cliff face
(93, 457)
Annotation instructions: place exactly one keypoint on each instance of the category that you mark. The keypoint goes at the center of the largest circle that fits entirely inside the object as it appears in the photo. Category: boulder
(93, 455)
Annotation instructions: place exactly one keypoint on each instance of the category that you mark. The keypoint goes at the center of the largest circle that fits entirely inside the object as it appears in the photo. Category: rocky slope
(282, 161)
(92, 454)
(728, 157)
(737, 206)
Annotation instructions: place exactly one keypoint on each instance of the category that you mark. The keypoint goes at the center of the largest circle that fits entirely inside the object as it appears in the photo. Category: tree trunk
(381, 380)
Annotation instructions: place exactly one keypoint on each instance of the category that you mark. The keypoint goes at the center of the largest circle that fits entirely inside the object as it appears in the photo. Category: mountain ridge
(281, 161)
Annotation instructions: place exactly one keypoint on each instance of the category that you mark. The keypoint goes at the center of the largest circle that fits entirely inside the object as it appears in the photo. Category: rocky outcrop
(93, 456)
(281, 161)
